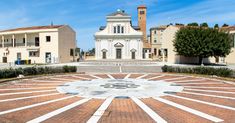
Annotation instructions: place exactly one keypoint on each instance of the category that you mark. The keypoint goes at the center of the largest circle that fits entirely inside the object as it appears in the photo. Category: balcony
(8, 45)
(33, 44)
(19, 44)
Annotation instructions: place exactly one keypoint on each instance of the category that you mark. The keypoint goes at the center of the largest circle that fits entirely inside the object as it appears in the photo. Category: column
(3, 41)
(26, 40)
(13, 40)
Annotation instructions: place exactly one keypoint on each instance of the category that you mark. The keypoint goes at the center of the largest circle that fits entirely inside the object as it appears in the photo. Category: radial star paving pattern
(109, 98)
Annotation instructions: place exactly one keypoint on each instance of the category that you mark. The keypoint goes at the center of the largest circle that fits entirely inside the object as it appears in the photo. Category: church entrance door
(133, 55)
(118, 53)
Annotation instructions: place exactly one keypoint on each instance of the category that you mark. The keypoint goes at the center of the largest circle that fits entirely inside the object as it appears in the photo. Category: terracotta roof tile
(32, 28)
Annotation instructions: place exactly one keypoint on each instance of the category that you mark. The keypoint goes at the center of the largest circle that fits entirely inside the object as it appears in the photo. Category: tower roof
(142, 7)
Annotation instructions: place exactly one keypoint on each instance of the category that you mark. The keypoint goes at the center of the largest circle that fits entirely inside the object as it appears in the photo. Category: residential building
(39, 44)
(119, 39)
(156, 42)
(166, 36)
(230, 59)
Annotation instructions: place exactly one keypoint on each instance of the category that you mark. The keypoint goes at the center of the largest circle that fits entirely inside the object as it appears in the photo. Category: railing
(8, 45)
(19, 44)
(31, 44)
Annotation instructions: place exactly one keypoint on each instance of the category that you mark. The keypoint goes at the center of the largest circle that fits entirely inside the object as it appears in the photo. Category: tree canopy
(193, 24)
(216, 26)
(225, 25)
(204, 25)
(202, 43)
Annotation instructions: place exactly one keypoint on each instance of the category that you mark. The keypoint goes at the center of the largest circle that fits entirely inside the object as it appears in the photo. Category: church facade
(119, 39)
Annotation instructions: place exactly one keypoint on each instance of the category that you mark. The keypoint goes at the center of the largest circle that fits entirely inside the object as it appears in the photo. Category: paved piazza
(118, 98)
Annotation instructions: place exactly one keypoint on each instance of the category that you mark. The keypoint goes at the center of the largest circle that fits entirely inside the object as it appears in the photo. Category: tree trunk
(200, 60)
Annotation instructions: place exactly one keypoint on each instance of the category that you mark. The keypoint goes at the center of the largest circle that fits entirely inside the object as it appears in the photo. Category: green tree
(193, 24)
(225, 25)
(202, 43)
(216, 26)
(204, 25)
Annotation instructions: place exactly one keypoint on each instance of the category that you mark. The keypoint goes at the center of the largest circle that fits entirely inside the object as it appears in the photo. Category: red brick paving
(124, 111)
(25, 95)
(151, 75)
(209, 85)
(118, 76)
(29, 114)
(184, 79)
(85, 76)
(227, 115)
(120, 110)
(212, 93)
(227, 102)
(172, 114)
(15, 91)
(133, 76)
(165, 77)
(19, 103)
(214, 89)
(102, 76)
(79, 114)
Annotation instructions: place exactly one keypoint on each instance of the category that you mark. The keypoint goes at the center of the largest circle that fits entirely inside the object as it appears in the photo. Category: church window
(114, 30)
(118, 29)
(122, 29)
(142, 12)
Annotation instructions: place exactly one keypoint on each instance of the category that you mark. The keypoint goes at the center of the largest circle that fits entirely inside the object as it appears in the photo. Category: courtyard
(118, 98)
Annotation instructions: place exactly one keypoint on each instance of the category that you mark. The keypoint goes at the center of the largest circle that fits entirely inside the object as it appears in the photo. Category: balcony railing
(30, 44)
(19, 44)
(8, 45)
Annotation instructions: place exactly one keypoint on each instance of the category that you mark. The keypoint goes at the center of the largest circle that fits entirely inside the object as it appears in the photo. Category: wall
(67, 41)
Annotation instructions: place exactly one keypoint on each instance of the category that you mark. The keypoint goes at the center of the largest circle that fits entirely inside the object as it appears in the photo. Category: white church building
(119, 39)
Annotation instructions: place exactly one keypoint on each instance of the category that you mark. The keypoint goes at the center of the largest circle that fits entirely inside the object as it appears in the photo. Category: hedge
(10, 73)
(223, 72)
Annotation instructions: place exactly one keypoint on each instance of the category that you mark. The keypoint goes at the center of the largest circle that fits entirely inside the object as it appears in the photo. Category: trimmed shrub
(223, 72)
(10, 73)
(70, 68)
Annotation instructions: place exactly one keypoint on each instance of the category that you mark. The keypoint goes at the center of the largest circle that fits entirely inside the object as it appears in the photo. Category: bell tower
(142, 10)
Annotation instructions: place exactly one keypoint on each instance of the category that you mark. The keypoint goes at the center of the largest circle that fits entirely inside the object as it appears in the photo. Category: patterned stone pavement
(202, 100)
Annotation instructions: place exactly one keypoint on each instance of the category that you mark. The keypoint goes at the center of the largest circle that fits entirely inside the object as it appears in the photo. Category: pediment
(133, 50)
(104, 50)
(118, 44)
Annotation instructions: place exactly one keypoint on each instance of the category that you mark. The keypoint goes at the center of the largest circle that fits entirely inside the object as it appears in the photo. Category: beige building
(156, 42)
(162, 45)
(230, 59)
(39, 44)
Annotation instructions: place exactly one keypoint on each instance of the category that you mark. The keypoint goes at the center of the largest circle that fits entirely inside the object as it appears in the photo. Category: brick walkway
(30, 99)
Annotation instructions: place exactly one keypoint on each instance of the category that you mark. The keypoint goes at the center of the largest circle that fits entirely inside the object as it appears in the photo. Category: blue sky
(86, 16)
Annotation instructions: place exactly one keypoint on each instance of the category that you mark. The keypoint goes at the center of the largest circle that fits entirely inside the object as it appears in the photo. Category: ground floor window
(104, 55)
(155, 51)
(71, 52)
(48, 57)
(18, 56)
(34, 53)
